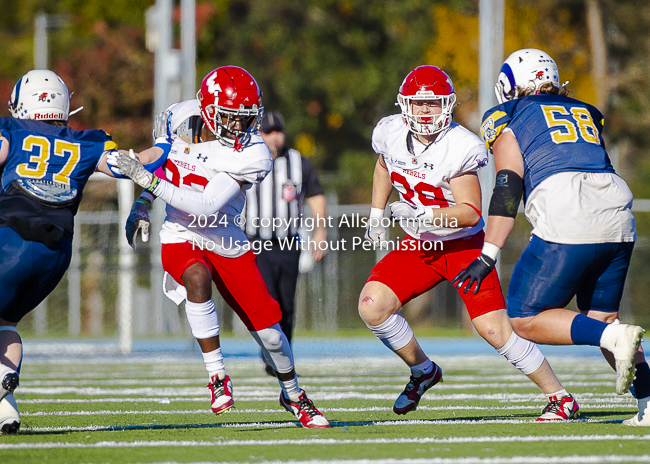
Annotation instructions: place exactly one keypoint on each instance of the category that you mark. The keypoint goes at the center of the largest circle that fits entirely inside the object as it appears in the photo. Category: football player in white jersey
(432, 162)
(202, 241)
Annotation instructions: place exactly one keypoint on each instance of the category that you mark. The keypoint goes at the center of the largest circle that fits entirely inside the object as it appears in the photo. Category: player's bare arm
(381, 189)
(381, 185)
(507, 156)
(467, 193)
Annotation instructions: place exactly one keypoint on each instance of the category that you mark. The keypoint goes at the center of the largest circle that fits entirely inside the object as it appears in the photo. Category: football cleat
(9, 417)
(305, 412)
(623, 341)
(563, 409)
(221, 391)
(409, 399)
(8, 381)
(641, 418)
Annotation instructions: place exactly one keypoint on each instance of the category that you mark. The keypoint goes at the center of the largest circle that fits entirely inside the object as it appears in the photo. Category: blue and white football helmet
(40, 95)
(527, 68)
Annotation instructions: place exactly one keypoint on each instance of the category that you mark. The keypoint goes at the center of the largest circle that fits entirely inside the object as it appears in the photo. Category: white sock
(203, 319)
(557, 395)
(290, 388)
(214, 363)
(422, 369)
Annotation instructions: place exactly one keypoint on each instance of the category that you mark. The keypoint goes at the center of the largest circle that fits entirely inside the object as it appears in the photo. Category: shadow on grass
(265, 425)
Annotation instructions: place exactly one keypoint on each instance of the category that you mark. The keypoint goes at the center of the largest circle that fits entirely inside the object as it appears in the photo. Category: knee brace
(394, 332)
(203, 319)
(275, 348)
(522, 353)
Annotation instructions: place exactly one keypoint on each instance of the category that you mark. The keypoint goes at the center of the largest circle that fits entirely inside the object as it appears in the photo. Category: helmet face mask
(231, 105)
(40, 95)
(526, 69)
(427, 84)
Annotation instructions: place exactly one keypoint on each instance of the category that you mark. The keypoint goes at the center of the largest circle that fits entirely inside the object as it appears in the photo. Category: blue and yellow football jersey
(48, 159)
(60, 154)
(555, 134)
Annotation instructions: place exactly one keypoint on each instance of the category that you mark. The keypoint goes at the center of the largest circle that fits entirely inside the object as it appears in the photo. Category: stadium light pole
(42, 22)
(174, 79)
(490, 57)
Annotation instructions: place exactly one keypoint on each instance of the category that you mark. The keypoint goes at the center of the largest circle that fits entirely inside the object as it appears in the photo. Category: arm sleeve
(310, 182)
(219, 191)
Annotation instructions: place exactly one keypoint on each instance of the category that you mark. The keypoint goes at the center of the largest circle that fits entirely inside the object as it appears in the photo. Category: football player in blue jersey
(44, 167)
(550, 148)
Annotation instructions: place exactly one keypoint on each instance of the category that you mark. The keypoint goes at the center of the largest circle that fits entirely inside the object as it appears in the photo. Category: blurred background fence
(333, 69)
(86, 303)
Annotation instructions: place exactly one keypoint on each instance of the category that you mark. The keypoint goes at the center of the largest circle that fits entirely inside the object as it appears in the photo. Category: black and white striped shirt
(281, 195)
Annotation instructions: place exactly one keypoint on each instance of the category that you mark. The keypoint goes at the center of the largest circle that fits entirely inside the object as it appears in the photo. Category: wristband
(490, 250)
(143, 200)
(154, 184)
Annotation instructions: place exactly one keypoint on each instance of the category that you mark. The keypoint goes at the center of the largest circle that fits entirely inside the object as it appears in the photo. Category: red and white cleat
(409, 399)
(563, 409)
(305, 412)
(221, 390)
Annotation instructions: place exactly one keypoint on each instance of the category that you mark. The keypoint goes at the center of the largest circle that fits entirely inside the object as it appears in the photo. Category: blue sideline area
(304, 348)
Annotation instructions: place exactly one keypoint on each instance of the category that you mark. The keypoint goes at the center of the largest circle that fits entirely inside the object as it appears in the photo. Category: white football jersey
(422, 173)
(192, 166)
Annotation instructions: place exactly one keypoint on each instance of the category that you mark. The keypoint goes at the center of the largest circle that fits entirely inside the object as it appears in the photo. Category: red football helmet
(427, 83)
(229, 95)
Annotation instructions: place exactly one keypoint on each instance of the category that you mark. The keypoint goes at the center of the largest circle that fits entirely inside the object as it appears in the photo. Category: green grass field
(155, 409)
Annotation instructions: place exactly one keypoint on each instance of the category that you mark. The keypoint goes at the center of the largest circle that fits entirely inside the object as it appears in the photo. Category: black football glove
(475, 272)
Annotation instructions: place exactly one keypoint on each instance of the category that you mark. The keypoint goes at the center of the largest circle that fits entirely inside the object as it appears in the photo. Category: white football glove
(375, 231)
(404, 210)
(138, 220)
(130, 166)
(418, 216)
(162, 127)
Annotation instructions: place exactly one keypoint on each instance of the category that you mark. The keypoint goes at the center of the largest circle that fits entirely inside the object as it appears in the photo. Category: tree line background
(333, 69)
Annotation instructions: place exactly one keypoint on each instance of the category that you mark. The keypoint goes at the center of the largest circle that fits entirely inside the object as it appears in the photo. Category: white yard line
(106, 412)
(574, 459)
(327, 441)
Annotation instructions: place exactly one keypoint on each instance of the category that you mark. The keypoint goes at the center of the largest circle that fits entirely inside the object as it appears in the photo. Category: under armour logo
(200, 157)
(427, 166)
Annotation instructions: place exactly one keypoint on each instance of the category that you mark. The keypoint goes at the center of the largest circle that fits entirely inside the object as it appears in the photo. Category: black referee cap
(272, 122)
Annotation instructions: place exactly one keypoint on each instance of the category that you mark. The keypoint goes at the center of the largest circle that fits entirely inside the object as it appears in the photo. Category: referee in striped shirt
(282, 195)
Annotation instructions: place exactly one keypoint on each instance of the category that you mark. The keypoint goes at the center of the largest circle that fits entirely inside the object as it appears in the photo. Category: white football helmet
(182, 120)
(527, 68)
(40, 95)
